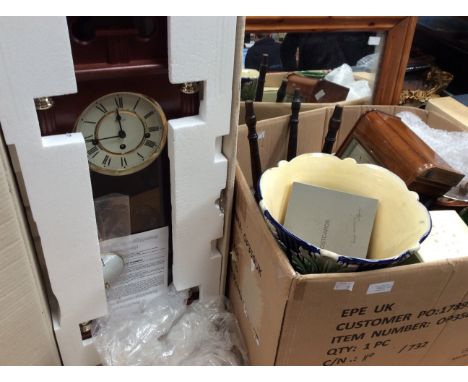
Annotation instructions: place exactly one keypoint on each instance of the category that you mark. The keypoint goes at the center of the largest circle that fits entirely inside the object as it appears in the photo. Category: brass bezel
(151, 158)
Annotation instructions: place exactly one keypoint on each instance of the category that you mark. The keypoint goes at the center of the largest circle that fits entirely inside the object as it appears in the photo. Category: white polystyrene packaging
(167, 331)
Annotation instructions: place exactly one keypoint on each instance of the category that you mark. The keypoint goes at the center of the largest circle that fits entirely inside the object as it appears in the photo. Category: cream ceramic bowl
(401, 223)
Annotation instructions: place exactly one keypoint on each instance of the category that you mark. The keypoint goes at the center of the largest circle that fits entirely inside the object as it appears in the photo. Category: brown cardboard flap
(260, 278)
(451, 346)
(439, 122)
(26, 335)
(269, 110)
(382, 327)
(273, 140)
(229, 150)
(450, 109)
(273, 79)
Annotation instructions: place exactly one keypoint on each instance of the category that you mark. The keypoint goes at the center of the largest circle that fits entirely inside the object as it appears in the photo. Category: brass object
(44, 103)
(86, 330)
(190, 87)
(221, 201)
(435, 81)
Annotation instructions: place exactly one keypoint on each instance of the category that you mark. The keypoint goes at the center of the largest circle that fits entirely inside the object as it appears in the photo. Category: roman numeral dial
(123, 132)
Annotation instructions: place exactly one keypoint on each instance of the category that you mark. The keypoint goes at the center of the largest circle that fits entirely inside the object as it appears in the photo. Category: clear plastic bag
(167, 331)
(112, 216)
(113, 221)
(367, 63)
(343, 75)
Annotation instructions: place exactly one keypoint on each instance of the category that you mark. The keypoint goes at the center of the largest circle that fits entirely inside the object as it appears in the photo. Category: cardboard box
(451, 109)
(273, 79)
(408, 315)
(57, 193)
(26, 336)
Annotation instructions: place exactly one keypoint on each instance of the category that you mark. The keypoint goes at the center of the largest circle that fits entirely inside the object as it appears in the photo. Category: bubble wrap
(168, 332)
(451, 146)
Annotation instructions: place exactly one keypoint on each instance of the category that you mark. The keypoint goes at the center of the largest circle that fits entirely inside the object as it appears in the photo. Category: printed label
(374, 40)
(344, 285)
(380, 287)
(319, 94)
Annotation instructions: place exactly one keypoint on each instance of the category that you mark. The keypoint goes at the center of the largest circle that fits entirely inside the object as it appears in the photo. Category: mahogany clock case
(385, 140)
(113, 56)
(119, 54)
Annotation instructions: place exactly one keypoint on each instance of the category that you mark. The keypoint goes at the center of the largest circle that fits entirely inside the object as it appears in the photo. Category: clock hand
(101, 139)
(119, 119)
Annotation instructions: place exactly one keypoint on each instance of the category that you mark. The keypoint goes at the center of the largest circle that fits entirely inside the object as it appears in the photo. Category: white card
(374, 40)
(145, 270)
(337, 221)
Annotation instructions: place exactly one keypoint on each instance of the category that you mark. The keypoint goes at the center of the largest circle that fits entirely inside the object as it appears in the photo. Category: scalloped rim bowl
(401, 222)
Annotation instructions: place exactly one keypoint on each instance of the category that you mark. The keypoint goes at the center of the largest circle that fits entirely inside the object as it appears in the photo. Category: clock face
(358, 153)
(124, 132)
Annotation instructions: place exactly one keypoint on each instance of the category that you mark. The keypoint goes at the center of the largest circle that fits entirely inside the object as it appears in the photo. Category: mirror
(348, 59)
(373, 50)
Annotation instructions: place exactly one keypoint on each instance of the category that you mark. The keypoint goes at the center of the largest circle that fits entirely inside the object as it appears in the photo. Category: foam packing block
(200, 49)
(448, 237)
(36, 61)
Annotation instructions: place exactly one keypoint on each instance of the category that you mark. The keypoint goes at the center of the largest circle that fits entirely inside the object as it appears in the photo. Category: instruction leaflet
(145, 273)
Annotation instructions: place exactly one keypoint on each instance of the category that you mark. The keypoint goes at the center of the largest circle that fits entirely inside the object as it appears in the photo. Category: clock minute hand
(101, 139)
(119, 120)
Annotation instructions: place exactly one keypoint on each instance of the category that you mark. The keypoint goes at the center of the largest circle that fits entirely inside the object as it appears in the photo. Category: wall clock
(122, 105)
(116, 58)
